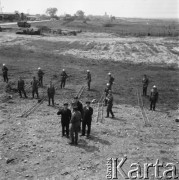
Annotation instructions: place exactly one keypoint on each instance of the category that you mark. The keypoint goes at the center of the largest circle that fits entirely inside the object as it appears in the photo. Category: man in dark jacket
(110, 104)
(51, 93)
(88, 78)
(40, 76)
(35, 84)
(4, 73)
(20, 87)
(64, 76)
(145, 82)
(153, 98)
(75, 123)
(65, 119)
(111, 80)
(87, 118)
(78, 104)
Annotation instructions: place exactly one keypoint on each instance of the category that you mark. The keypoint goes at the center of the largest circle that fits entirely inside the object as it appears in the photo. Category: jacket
(40, 73)
(111, 80)
(88, 78)
(145, 82)
(4, 70)
(87, 114)
(21, 84)
(154, 95)
(64, 76)
(35, 84)
(109, 100)
(51, 90)
(65, 116)
(75, 120)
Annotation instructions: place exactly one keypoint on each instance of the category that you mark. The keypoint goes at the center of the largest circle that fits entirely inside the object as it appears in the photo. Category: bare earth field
(32, 148)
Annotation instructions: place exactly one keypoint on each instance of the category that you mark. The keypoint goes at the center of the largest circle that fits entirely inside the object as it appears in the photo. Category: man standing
(75, 123)
(51, 93)
(88, 78)
(63, 78)
(35, 84)
(111, 80)
(110, 104)
(145, 82)
(87, 118)
(106, 91)
(40, 76)
(20, 87)
(4, 72)
(153, 98)
(65, 119)
(79, 106)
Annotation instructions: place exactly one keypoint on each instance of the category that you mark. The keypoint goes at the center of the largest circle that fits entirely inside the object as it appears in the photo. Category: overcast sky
(120, 8)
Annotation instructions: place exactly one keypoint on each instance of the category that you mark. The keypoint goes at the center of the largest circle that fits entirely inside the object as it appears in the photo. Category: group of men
(79, 117)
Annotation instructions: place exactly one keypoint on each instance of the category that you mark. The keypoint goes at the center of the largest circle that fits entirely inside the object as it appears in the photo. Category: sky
(118, 8)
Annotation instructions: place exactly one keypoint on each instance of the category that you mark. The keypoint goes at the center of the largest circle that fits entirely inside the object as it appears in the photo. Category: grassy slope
(120, 27)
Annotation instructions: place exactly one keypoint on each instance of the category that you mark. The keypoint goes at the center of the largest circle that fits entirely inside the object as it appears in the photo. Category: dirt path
(39, 151)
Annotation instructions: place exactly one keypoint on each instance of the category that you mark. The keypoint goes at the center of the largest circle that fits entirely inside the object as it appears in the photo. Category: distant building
(9, 16)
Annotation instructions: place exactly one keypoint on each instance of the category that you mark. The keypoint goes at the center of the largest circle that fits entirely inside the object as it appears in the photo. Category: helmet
(107, 84)
(154, 86)
(63, 69)
(3, 64)
(39, 68)
(88, 70)
(109, 73)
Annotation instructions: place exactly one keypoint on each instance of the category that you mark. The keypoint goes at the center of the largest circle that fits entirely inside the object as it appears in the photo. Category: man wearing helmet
(111, 80)
(106, 91)
(63, 78)
(88, 78)
(109, 104)
(153, 97)
(4, 72)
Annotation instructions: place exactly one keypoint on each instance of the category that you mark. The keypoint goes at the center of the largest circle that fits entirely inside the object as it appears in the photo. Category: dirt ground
(32, 148)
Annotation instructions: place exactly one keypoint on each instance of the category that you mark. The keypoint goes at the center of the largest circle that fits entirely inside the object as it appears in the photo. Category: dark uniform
(4, 72)
(20, 88)
(106, 91)
(40, 76)
(51, 93)
(65, 120)
(109, 105)
(35, 84)
(145, 82)
(79, 107)
(88, 78)
(111, 81)
(63, 79)
(87, 118)
(75, 123)
(153, 99)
